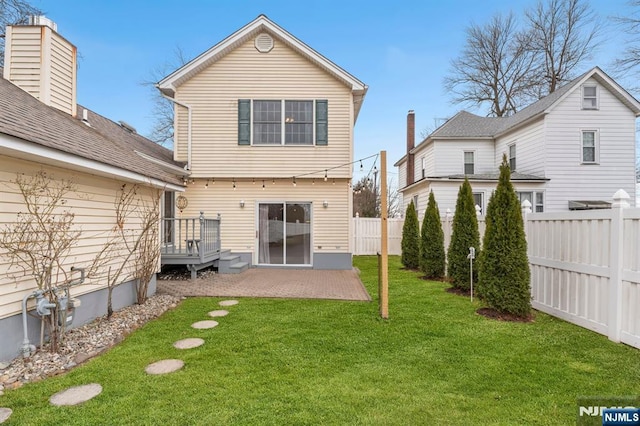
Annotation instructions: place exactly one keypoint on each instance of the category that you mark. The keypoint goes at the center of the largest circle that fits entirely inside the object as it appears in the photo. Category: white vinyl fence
(585, 265)
(585, 269)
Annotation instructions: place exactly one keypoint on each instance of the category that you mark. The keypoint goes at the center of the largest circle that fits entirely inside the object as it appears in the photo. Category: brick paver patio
(279, 283)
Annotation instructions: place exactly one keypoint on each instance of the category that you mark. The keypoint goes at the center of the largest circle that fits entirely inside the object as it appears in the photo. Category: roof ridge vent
(264, 43)
(128, 127)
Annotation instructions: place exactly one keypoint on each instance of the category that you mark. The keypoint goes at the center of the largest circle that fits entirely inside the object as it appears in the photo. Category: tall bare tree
(629, 61)
(14, 12)
(162, 112)
(562, 34)
(493, 68)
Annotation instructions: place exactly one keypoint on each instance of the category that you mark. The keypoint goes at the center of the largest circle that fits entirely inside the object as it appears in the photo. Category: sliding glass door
(284, 233)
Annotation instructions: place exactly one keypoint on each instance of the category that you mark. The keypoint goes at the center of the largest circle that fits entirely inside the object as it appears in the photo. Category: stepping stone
(5, 413)
(220, 313)
(188, 343)
(228, 303)
(165, 366)
(76, 395)
(202, 325)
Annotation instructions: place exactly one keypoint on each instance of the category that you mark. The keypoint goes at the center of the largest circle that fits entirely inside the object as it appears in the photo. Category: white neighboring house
(572, 149)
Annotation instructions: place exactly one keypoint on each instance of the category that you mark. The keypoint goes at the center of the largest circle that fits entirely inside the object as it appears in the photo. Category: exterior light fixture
(325, 204)
(241, 203)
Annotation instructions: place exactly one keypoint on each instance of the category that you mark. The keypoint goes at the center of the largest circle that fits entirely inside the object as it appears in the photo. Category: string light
(361, 167)
(206, 185)
(294, 181)
(313, 182)
(273, 181)
(213, 181)
(334, 182)
(263, 184)
(325, 175)
(253, 181)
(234, 184)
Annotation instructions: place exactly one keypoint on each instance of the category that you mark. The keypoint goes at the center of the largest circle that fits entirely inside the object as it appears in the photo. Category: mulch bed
(459, 292)
(493, 314)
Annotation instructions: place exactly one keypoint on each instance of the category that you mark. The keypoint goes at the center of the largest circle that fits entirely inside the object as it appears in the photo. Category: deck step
(230, 263)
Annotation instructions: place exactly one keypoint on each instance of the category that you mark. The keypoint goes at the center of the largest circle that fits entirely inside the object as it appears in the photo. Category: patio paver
(219, 313)
(165, 366)
(189, 343)
(273, 283)
(203, 325)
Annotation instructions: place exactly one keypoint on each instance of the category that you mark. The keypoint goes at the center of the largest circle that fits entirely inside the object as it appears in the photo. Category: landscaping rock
(5, 413)
(83, 343)
(220, 313)
(76, 395)
(165, 366)
(228, 303)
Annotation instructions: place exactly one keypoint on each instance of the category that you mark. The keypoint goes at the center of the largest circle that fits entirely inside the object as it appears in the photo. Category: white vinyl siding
(245, 73)
(530, 148)
(423, 156)
(93, 206)
(569, 178)
(449, 156)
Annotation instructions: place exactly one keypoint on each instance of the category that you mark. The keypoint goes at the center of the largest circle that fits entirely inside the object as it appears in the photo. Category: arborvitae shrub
(464, 235)
(432, 258)
(411, 239)
(504, 267)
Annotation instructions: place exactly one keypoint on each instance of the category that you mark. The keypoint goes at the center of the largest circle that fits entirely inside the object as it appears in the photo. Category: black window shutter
(321, 122)
(244, 121)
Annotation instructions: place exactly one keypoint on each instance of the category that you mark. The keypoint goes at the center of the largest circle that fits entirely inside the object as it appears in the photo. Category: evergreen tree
(464, 235)
(432, 259)
(411, 239)
(504, 266)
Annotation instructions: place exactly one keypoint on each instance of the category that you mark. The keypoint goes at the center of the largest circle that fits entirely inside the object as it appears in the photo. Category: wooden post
(384, 260)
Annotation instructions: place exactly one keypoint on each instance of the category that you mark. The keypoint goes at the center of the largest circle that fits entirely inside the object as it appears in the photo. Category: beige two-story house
(265, 124)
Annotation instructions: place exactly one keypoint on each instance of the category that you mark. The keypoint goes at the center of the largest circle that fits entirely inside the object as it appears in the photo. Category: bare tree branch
(563, 34)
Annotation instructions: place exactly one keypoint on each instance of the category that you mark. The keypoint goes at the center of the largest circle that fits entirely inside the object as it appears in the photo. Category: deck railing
(191, 236)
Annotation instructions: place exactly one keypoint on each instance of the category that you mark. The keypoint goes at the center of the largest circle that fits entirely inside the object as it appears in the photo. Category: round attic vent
(264, 43)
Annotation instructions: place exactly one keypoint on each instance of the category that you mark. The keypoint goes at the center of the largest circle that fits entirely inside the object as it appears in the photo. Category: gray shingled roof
(25, 117)
(467, 125)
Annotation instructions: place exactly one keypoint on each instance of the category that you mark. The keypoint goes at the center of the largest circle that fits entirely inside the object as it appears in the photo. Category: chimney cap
(44, 21)
(410, 111)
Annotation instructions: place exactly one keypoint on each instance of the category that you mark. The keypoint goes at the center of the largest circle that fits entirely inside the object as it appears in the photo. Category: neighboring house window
(468, 163)
(589, 146)
(535, 198)
(477, 201)
(512, 157)
(539, 206)
(415, 203)
(424, 167)
(282, 122)
(589, 97)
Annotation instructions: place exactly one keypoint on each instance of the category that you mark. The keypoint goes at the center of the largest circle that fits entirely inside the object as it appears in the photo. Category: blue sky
(402, 50)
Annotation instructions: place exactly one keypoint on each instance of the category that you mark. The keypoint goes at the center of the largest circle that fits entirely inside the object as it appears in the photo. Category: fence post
(356, 249)
(616, 262)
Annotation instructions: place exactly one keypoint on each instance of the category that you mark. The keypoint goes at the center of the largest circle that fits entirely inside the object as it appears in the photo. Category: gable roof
(102, 143)
(169, 84)
(467, 125)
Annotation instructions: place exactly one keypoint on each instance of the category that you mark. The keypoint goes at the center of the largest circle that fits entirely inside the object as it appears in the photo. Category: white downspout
(188, 107)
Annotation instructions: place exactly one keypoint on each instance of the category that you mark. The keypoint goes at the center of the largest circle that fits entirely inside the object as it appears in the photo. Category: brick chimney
(411, 143)
(42, 63)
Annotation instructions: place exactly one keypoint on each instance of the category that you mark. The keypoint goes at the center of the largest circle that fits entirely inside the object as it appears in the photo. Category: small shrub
(432, 257)
(411, 239)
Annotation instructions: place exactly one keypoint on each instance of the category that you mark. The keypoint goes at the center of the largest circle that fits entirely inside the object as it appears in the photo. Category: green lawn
(435, 361)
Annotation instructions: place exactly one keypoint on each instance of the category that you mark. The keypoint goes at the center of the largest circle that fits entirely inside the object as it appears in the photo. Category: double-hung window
(469, 163)
(589, 147)
(477, 201)
(282, 122)
(512, 157)
(589, 97)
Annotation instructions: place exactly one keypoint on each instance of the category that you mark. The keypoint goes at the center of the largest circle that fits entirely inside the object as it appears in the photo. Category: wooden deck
(193, 242)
